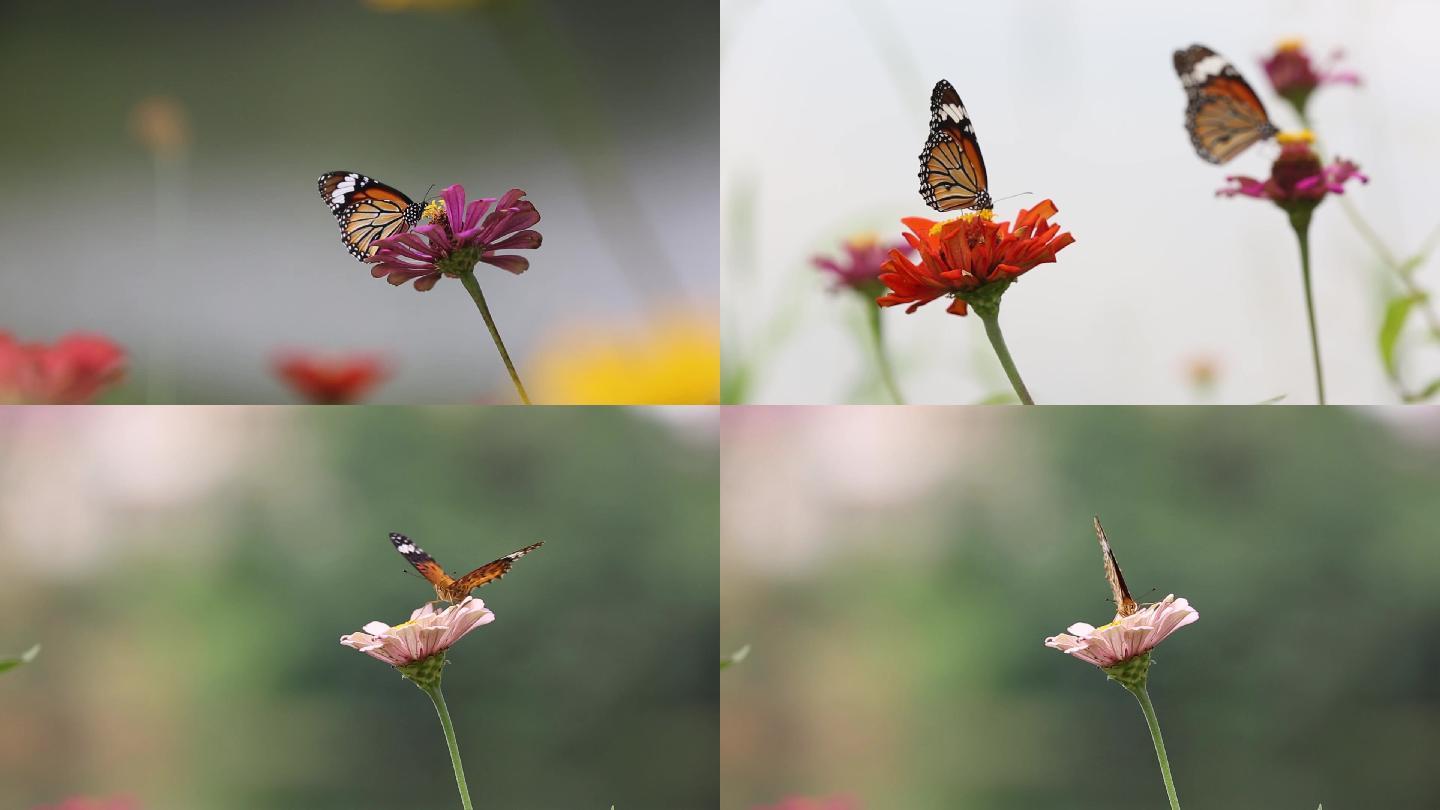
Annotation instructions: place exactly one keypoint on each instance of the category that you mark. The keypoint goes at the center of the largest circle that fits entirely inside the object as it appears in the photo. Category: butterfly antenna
(428, 190)
(1013, 196)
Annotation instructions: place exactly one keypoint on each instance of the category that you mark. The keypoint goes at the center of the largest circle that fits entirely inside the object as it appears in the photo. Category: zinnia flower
(859, 269)
(459, 237)
(428, 634)
(1126, 637)
(72, 371)
(1294, 75)
(971, 258)
(1298, 180)
(338, 380)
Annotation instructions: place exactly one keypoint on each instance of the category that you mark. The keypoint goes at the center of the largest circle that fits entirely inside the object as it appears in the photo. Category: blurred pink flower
(859, 268)
(1298, 180)
(1295, 75)
(459, 237)
(1127, 636)
(429, 632)
(72, 371)
(808, 803)
(82, 803)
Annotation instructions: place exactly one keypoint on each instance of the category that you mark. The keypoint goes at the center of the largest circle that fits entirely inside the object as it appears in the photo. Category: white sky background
(1078, 103)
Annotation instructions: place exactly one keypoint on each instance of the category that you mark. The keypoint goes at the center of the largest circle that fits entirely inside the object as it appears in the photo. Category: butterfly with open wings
(367, 210)
(448, 589)
(1223, 114)
(952, 170)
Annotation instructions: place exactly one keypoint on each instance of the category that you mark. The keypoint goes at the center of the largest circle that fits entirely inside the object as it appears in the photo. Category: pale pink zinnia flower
(82, 803)
(429, 632)
(1127, 636)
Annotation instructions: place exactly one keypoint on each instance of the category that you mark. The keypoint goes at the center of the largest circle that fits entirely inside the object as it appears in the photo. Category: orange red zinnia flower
(971, 258)
(72, 371)
(339, 380)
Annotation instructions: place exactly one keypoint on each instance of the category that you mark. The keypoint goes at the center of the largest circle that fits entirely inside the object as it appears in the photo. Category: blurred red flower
(335, 380)
(73, 371)
(1295, 75)
(971, 258)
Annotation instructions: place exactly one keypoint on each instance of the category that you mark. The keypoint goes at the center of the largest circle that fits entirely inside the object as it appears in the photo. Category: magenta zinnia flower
(1298, 180)
(1128, 636)
(1294, 75)
(859, 268)
(459, 237)
(428, 633)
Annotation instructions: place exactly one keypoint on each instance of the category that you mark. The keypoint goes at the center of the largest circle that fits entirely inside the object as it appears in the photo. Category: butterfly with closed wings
(367, 210)
(1124, 604)
(952, 170)
(1223, 114)
(448, 589)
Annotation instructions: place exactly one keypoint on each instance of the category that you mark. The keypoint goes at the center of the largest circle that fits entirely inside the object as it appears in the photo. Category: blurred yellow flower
(672, 361)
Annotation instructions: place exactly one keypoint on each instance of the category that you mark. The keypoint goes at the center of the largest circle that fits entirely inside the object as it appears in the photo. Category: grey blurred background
(203, 264)
(896, 572)
(189, 572)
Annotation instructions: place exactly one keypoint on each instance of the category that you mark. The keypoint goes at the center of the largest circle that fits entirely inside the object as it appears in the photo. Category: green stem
(1301, 222)
(473, 287)
(1153, 722)
(438, 698)
(991, 317)
(882, 361)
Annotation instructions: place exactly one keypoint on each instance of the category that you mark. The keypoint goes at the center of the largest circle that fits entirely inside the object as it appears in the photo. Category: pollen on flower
(1304, 136)
(433, 209)
(1290, 44)
(969, 216)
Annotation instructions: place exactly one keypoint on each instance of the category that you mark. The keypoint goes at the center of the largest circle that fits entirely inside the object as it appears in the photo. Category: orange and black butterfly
(448, 589)
(1223, 114)
(367, 210)
(952, 170)
(1124, 604)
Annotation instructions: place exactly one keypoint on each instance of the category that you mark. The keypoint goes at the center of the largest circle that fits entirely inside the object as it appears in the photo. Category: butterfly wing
(491, 571)
(1124, 604)
(1223, 114)
(424, 563)
(952, 170)
(367, 210)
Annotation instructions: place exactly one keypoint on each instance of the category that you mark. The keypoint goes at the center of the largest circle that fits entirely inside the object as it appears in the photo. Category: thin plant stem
(991, 317)
(1153, 722)
(438, 698)
(1301, 222)
(473, 287)
(882, 360)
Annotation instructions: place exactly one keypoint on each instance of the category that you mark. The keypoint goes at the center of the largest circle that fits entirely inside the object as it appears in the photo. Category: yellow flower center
(861, 241)
(969, 216)
(433, 209)
(1290, 44)
(1304, 136)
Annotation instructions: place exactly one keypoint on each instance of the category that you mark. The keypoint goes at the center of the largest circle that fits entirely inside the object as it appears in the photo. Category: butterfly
(1124, 604)
(454, 590)
(952, 170)
(367, 210)
(1223, 115)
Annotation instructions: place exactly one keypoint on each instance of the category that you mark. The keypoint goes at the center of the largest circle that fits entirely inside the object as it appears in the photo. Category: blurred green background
(897, 571)
(189, 572)
(206, 257)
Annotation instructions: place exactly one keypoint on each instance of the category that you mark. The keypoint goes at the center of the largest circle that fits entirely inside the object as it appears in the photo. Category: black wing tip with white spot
(407, 548)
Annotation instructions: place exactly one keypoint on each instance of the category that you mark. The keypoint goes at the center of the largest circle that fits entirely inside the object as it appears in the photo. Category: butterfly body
(952, 170)
(1223, 114)
(451, 589)
(1124, 604)
(367, 210)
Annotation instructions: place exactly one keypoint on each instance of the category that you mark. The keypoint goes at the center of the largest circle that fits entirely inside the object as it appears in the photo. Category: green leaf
(999, 398)
(1275, 400)
(736, 657)
(1425, 393)
(25, 658)
(1396, 313)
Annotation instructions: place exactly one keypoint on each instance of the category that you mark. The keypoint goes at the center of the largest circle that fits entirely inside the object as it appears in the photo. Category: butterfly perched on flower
(1124, 604)
(1223, 114)
(448, 589)
(952, 170)
(367, 210)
